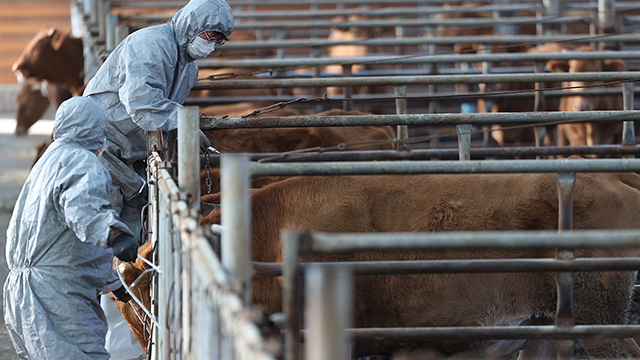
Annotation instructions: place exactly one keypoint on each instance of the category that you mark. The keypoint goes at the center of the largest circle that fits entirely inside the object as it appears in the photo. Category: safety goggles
(217, 41)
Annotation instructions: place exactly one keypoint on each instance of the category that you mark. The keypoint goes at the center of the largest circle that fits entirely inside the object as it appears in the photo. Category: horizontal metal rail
(267, 3)
(388, 11)
(423, 40)
(416, 59)
(265, 269)
(493, 332)
(576, 239)
(416, 80)
(280, 25)
(313, 155)
(541, 118)
(444, 167)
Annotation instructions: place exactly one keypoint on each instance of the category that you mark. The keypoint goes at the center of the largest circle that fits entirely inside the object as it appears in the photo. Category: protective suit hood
(199, 16)
(81, 121)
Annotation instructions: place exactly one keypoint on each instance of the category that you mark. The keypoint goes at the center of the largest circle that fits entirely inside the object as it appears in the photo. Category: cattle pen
(411, 75)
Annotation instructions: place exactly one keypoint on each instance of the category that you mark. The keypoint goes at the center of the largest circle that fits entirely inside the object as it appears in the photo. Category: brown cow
(54, 56)
(288, 139)
(519, 136)
(130, 309)
(455, 203)
(429, 203)
(588, 133)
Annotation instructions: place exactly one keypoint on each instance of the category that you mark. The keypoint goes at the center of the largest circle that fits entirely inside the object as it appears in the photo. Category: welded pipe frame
(209, 282)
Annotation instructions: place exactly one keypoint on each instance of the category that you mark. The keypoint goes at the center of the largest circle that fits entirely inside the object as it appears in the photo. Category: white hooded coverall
(57, 244)
(141, 86)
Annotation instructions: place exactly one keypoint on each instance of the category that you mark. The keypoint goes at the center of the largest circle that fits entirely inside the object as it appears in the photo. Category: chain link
(207, 170)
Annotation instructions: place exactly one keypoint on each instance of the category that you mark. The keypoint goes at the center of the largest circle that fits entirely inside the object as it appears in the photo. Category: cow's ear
(558, 66)
(614, 65)
(56, 40)
(52, 31)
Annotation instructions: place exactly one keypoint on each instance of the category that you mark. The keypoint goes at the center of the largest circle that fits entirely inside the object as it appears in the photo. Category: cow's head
(31, 105)
(587, 103)
(33, 99)
(54, 56)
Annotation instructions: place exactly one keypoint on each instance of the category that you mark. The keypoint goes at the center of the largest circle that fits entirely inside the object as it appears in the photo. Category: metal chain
(207, 170)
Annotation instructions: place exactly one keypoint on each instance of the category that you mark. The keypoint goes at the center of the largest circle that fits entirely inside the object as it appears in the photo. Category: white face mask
(200, 48)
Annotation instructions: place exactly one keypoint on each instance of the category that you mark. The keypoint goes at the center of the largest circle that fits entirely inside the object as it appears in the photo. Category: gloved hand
(125, 247)
(204, 142)
(121, 294)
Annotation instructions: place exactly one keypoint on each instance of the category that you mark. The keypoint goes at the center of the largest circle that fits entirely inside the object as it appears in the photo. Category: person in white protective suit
(141, 86)
(61, 240)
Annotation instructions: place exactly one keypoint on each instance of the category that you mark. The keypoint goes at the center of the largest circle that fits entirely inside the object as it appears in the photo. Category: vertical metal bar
(236, 221)
(539, 105)
(434, 105)
(93, 11)
(485, 88)
(291, 299)
(176, 330)
(104, 8)
(347, 104)
(328, 312)
(565, 280)
(464, 141)
(111, 23)
(121, 33)
(189, 183)
(606, 16)
(628, 132)
(400, 93)
(189, 154)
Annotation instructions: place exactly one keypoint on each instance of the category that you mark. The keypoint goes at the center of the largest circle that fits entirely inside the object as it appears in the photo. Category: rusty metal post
(328, 312)
(400, 92)
(565, 280)
(628, 133)
(236, 221)
(291, 294)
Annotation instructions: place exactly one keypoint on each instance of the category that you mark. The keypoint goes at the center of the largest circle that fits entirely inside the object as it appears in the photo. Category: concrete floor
(18, 155)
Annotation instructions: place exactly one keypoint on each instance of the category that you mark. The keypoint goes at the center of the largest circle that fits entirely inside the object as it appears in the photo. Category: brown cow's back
(452, 203)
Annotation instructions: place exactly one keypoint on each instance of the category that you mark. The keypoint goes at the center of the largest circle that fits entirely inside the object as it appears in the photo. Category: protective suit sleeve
(83, 186)
(145, 75)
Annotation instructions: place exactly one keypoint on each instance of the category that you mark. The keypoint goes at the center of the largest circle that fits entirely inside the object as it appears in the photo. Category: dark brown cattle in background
(268, 140)
(519, 136)
(55, 56)
(588, 133)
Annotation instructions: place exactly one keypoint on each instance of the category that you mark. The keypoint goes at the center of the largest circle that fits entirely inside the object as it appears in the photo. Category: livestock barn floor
(17, 156)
